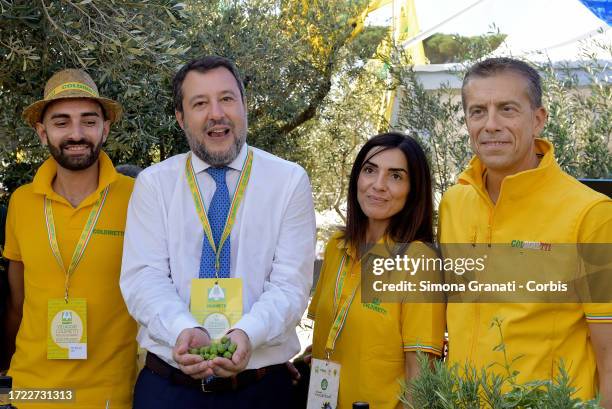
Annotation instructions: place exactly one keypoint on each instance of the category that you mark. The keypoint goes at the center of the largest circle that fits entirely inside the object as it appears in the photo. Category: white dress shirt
(272, 250)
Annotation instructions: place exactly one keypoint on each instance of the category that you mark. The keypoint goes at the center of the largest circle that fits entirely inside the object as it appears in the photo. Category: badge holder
(324, 383)
(67, 328)
(216, 303)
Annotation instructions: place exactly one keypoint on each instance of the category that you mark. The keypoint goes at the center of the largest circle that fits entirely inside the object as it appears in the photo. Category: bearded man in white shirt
(225, 219)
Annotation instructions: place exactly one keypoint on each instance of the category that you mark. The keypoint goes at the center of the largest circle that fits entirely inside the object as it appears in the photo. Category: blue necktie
(217, 215)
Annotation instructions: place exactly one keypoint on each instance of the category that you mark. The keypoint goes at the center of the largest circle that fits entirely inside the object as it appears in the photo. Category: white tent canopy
(537, 29)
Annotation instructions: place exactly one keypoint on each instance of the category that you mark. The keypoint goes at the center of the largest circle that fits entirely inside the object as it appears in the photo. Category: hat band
(69, 86)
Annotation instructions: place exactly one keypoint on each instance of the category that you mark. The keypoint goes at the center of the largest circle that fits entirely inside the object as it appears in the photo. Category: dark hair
(414, 221)
(494, 66)
(202, 65)
(128, 169)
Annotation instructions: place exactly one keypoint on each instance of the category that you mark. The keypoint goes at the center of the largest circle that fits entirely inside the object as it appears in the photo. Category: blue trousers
(273, 391)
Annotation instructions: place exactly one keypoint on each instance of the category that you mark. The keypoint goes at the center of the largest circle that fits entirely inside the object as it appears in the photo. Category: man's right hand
(190, 364)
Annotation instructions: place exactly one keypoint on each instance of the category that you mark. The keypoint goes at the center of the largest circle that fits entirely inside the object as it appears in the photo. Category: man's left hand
(224, 367)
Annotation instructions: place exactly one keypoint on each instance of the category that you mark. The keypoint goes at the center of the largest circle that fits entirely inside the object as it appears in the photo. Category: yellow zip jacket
(541, 205)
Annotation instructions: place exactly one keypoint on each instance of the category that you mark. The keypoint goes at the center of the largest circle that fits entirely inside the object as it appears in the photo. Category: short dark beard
(75, 163)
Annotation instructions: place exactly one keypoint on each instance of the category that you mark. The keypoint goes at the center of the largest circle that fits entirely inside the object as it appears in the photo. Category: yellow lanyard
(233, 211)
(79, 250)
(343, 287)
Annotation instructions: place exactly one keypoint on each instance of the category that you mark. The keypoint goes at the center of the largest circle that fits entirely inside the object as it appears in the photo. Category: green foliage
(330, 144)
(301, 61)
(440, 386)
(580, 119)
(579, 123)
(129, 48)
(435, 119)
(447, 48)
(289, 52)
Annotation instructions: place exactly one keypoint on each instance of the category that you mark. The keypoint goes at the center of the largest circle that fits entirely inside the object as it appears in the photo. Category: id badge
(324, 384)
(216, 304)
(67, 328)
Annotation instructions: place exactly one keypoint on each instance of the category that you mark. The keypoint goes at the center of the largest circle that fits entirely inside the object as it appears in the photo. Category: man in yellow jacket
(514, 196)
(75, 341)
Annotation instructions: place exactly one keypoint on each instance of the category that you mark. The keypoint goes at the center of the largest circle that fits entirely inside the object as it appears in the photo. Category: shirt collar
(519, 183)
(199, 165)
(43, 180)
(382, 247)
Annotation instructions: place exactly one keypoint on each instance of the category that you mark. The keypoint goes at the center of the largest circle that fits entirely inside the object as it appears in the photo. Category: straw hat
(70, 83)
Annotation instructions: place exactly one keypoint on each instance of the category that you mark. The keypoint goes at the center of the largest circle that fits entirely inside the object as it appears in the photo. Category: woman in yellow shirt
(389, 201)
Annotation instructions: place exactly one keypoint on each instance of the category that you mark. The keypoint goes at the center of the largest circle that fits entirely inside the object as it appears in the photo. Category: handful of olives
(223, 349)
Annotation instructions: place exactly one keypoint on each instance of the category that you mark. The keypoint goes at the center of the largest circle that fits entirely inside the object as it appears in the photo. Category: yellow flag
(360, 19)
(405, 27)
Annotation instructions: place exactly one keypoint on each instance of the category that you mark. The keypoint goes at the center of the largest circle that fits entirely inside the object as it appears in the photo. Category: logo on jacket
(375, 306)
(533, 245)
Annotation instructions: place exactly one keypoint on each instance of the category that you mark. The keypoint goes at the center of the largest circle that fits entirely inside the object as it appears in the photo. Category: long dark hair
(414, 221)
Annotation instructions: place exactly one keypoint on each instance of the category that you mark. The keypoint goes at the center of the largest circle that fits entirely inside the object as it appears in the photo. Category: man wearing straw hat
(64, 242)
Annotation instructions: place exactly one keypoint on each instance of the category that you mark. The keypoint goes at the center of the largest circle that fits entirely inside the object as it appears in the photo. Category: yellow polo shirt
(108, 373)
(375, 337)
(542, 205)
